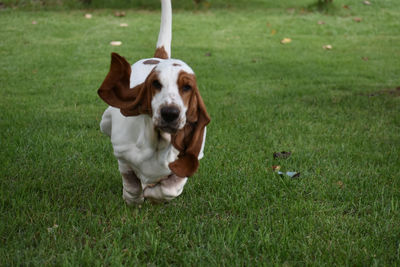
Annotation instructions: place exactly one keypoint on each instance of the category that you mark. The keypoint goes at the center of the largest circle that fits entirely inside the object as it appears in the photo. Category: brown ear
(116, 92)
(190, 139)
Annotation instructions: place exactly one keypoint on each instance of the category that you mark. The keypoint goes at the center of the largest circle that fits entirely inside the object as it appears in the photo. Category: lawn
(337, 111)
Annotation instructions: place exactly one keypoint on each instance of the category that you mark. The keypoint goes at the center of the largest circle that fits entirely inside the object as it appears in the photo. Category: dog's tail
(164, 37)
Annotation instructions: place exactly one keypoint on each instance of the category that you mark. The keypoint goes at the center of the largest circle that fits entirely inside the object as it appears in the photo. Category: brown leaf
(320, 22)
(276, 168)
(365, 58)
(356, 19)
(119, 13)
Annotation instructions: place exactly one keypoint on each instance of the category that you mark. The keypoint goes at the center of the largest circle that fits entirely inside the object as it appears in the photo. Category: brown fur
(151, 62)
(161, 53)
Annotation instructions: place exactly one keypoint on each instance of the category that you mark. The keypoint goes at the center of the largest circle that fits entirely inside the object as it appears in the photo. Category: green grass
(58, 169)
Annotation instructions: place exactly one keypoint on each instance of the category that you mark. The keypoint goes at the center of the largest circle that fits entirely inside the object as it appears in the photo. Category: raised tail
(164, 37)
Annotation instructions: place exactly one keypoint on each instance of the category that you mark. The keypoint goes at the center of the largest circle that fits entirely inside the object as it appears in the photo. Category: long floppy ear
(189, 140)
(116, 92)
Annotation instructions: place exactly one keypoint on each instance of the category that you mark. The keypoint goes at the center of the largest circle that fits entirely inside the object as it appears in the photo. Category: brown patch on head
(176, 65)
(189, 139)
(116, 92)
(187, 86)
(161, 53)
(151, 62)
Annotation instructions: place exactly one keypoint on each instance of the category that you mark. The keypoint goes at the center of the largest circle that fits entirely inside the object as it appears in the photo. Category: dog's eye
(186, 88)
(157, 84)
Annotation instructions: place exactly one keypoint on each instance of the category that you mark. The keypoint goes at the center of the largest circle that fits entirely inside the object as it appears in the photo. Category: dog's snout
(169, 113)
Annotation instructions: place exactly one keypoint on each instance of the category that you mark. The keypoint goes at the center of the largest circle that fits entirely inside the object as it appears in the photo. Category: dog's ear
(189, 140)
(116, 92)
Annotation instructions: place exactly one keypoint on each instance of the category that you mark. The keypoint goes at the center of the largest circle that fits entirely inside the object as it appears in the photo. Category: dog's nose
(169, 114)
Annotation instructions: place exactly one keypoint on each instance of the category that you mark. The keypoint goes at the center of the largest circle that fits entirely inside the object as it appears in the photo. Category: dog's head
(170, 96)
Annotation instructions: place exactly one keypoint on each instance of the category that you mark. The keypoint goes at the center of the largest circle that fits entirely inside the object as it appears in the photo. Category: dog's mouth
(171, 129)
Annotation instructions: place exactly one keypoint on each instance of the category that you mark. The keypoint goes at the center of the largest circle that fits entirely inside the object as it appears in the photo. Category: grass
(60, 198)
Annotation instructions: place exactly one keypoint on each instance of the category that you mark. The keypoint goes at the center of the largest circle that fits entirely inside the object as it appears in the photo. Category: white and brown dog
(156, 120)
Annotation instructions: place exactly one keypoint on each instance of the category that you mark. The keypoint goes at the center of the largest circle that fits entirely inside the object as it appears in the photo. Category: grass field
(337, 111)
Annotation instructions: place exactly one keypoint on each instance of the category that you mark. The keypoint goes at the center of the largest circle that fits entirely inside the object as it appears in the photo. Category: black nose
(169, 114)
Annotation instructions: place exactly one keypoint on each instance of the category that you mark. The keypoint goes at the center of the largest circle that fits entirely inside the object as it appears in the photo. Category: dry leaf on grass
(273, 32)
(367, 3)
(356, 19)
(327, 47)
(119, 13)
(88, 16)
(34, 22)
(365, 58)
(276, 168)
(116, 43)
(320, 22)
(286, 40)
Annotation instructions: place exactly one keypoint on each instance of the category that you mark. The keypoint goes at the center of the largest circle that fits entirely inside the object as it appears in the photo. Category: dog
(156, 120)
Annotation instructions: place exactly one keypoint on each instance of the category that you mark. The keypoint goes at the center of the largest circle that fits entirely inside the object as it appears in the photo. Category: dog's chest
(138, 145)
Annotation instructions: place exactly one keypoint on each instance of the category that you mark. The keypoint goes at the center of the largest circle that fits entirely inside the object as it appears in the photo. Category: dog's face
(174, 84)
(170, 96)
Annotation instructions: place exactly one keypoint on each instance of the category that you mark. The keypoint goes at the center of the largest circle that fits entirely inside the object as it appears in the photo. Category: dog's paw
(131, 199)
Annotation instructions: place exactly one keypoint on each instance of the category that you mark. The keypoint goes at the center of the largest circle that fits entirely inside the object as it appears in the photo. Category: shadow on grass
(323, 6)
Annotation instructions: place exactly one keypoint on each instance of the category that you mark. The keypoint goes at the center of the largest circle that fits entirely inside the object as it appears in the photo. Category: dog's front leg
(132, 191)
(165, 190)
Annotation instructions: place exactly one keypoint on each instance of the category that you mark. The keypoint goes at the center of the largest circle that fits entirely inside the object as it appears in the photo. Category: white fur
(165, 35)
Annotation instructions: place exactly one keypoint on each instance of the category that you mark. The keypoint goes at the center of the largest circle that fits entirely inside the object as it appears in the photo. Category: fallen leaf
(276, 167)
(88, 16)
(356, 19)
(119, 13)
(208, 54)
(34, 22)
(346, 7)
(116, 43)
(365, 58)
(273, 32)
(327, 47)
(367, 3)
(320, 22)
(340, 184)
(123, 25)
(282, 155)
(286, 40)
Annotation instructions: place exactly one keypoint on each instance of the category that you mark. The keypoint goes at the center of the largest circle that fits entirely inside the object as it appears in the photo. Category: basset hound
(156, 120)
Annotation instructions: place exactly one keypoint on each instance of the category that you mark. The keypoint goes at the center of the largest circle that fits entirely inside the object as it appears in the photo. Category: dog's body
(157, 120)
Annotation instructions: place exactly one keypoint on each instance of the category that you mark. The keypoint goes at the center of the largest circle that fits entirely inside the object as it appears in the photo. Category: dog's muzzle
(169, 119)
